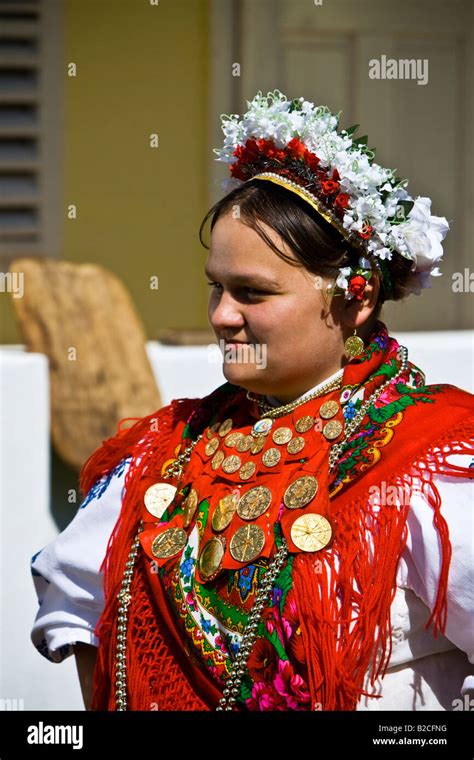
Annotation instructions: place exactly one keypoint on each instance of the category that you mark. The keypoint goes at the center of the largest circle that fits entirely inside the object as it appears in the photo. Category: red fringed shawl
(344, 610)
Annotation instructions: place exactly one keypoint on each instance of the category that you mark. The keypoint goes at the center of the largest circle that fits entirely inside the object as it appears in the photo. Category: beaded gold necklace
(273, 412)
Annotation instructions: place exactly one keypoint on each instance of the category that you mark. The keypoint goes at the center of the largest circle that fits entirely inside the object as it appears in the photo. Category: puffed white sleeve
(423, 556)
(66, 572)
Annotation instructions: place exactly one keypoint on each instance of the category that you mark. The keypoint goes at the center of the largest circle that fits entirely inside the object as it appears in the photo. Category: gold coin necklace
(231, 690)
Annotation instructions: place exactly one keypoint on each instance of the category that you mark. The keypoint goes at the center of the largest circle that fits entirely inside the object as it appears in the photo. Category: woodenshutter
(31, 69)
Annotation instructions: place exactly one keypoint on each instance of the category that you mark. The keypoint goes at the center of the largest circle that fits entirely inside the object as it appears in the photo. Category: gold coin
(282, 435)
(210, 558)
(332, 429)
(225, 426)
(247, 543)
(211, 446)
(158, 497)
(217, 459)
(231, 464)
(271, 457)
(190, 503)
(300, 492)
(257, 444)
(295, 445)
(232, 438)
(304, 423)
(224, 511)
(254, 503)
(244, 443)
(169, 543)
(328, 409)
(354, 345)
(247, 470)
(213, 429)
(311, 532)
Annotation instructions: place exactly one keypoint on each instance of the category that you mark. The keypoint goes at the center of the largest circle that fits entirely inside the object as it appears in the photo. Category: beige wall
(141, 69)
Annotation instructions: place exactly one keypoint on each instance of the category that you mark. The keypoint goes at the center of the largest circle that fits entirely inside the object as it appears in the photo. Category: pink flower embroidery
(389, 394)
(291, 686)
(265, 698)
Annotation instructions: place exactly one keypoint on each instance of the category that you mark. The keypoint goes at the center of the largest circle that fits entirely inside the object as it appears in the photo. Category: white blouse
(424, 673)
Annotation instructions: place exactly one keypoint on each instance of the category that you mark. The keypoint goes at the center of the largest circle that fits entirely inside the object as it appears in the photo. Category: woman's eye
(249, 291)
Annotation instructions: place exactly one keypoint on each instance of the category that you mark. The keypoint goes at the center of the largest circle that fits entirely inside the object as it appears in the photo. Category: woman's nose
(225, 312)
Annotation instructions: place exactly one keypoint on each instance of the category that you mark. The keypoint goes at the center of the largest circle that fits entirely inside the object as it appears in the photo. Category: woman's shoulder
(451, 408)
(438, 406)
(446, 394)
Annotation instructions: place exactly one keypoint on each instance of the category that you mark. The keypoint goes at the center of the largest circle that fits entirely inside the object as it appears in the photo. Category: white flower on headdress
(423, 234)
(342, 281)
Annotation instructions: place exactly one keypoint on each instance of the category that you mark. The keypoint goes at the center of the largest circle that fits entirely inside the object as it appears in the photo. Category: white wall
(25, 527)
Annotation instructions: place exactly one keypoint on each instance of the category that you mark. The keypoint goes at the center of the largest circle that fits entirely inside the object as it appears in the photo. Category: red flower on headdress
(341, 200)
(296, 149)
(247, 153)
(280, 155)
(357, 286)
(267, 147)
(311, 160)
(329, 187)
(366, 232)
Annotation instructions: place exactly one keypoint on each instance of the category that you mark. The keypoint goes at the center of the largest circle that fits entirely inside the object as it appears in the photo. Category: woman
(300, 538)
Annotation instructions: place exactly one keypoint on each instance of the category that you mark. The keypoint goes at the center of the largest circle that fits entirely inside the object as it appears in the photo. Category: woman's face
(288, 338)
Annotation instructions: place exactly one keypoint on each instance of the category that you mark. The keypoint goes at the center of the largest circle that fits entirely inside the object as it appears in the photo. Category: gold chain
(279, 411)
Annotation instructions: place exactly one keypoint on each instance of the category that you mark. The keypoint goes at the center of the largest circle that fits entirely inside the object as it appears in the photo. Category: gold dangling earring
(353, 346)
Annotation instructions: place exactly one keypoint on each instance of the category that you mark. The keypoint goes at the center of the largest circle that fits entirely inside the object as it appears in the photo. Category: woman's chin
(242, 374)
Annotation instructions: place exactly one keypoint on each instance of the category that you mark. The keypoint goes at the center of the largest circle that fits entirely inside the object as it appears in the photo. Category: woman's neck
(280, 400)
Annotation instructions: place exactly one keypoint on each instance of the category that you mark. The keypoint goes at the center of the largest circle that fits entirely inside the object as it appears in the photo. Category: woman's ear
(357, 313)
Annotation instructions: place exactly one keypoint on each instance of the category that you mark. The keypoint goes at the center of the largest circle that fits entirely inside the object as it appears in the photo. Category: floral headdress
(295, 144)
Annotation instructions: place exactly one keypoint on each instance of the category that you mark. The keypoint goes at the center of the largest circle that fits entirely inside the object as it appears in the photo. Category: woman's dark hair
(320, 248)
